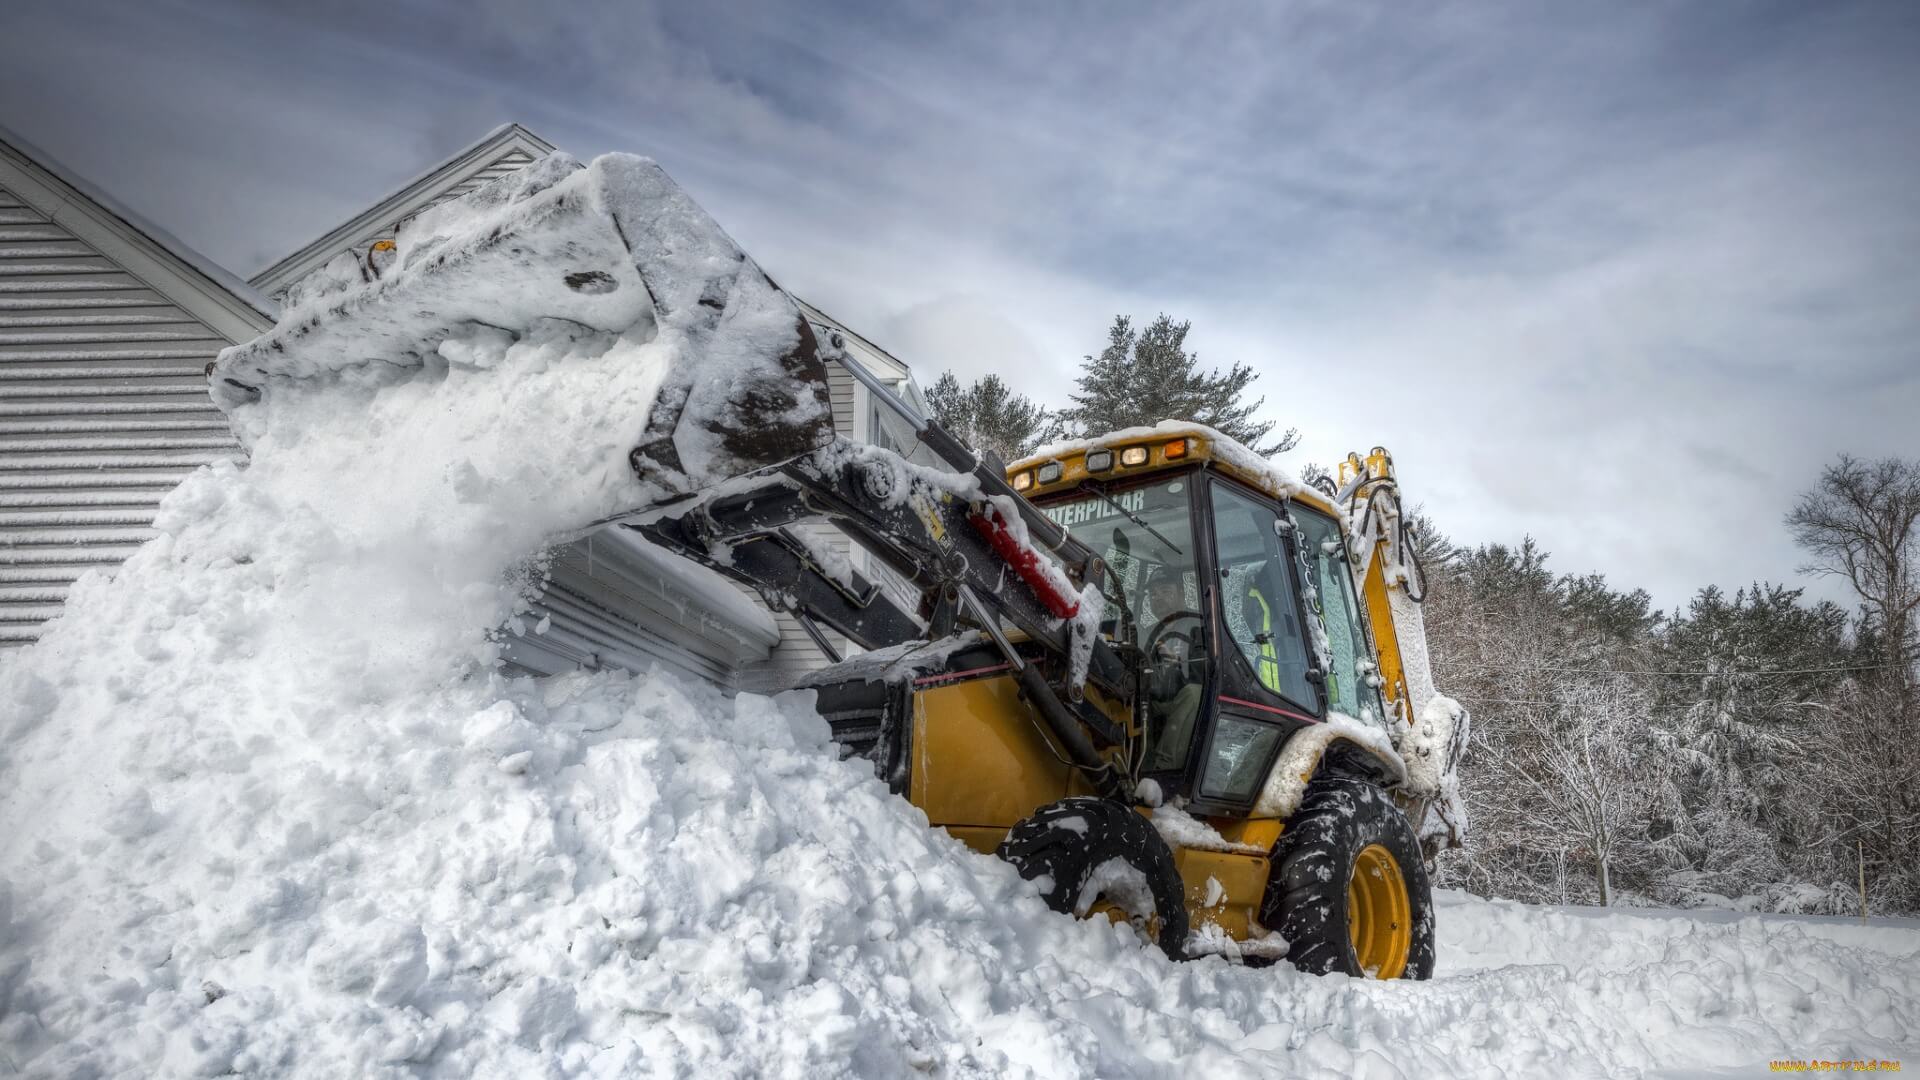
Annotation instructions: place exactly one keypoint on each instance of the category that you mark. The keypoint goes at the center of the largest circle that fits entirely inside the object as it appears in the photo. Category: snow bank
(1679, 993)
(270, 810)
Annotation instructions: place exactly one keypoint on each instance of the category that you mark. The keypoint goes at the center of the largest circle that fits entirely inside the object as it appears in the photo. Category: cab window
(1256, 594)
(1323, 555)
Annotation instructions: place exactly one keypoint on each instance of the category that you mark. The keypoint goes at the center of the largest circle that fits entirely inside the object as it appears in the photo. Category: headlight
(1133, 455)
(1099, 460)
(1050, 472)
(1022, 481)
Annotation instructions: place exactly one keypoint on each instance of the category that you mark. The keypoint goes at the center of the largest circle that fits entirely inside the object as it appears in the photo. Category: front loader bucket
(615, 246)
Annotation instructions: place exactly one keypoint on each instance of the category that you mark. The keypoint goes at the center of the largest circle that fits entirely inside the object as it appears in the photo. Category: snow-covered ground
(268, 809)
(1681, 993)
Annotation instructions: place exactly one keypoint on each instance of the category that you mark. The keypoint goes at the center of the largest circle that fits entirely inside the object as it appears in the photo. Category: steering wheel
(1163, 629)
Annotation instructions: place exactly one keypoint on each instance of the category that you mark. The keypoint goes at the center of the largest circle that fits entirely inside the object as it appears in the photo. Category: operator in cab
(1173, 685)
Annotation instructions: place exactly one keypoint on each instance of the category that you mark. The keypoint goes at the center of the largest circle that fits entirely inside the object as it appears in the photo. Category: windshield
(1145, 535)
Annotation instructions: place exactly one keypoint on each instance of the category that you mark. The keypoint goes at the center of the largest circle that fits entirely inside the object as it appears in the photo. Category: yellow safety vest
(1268, 668)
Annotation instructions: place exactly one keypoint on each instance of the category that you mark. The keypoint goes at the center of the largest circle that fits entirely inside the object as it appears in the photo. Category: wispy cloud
(1622, 276)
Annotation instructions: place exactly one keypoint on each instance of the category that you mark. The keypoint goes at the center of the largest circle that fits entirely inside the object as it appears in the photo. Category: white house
(612, 601)
(107, 325)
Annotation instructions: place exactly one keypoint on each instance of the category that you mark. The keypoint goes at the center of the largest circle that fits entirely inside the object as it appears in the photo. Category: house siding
(103, 409)
(606, 605)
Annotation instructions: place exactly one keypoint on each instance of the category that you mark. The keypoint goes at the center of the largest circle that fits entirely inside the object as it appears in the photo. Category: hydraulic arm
(977, 554)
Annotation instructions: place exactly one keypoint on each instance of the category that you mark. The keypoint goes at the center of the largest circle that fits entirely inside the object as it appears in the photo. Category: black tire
(1306, 899)
(1064, 843)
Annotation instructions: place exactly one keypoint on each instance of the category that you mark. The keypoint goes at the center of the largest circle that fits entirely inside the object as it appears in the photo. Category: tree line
(1757, 750)
(1751, 750)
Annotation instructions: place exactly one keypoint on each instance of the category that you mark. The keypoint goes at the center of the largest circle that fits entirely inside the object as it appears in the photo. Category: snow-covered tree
(1596, 771)
(1772, 749)
(1861, 523)
(1752, 675)
(1562, 775)
(988, 415)
(1144, 376)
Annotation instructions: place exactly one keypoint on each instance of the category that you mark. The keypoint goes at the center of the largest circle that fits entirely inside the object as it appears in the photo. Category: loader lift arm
(958, 537)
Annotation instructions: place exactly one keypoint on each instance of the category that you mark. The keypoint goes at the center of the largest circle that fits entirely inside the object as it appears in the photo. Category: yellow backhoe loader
(1167, 683)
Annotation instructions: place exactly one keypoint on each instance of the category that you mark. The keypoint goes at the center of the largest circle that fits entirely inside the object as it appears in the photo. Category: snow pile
(271, 811)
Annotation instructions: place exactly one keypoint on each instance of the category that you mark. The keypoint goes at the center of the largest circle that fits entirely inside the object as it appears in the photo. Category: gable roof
(500, 151)
(494, 154)
(878, 360)
(201, 286)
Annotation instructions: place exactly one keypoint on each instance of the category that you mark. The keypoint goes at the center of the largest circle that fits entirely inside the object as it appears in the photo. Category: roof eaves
(181, 252)
(501, 139)
(903, 371)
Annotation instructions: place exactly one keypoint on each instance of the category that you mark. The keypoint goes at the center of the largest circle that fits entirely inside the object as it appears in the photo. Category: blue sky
(1622, 276)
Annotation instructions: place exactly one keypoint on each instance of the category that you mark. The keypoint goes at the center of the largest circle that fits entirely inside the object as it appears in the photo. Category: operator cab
(1225, 575)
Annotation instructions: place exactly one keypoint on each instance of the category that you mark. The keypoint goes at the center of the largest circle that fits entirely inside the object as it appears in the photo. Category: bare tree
(1595, 772)
(1859, 523)
(1862, 523)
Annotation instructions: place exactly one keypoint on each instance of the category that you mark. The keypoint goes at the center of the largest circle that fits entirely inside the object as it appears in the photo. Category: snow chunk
(1121, 884)
(1208, 939)
(1182, 830)
(833, 563)
(1085, 628)
(895, 662)
(1431, 747)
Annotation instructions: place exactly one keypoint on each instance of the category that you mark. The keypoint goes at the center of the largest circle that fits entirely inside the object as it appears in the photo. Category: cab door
(1267, 686)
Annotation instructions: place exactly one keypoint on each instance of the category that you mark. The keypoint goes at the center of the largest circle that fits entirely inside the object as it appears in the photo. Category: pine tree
(1145, 376)
(989, 416)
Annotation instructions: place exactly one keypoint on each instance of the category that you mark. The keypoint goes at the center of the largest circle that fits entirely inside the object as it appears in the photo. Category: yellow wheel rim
(1118, 915)
(1379, 915)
